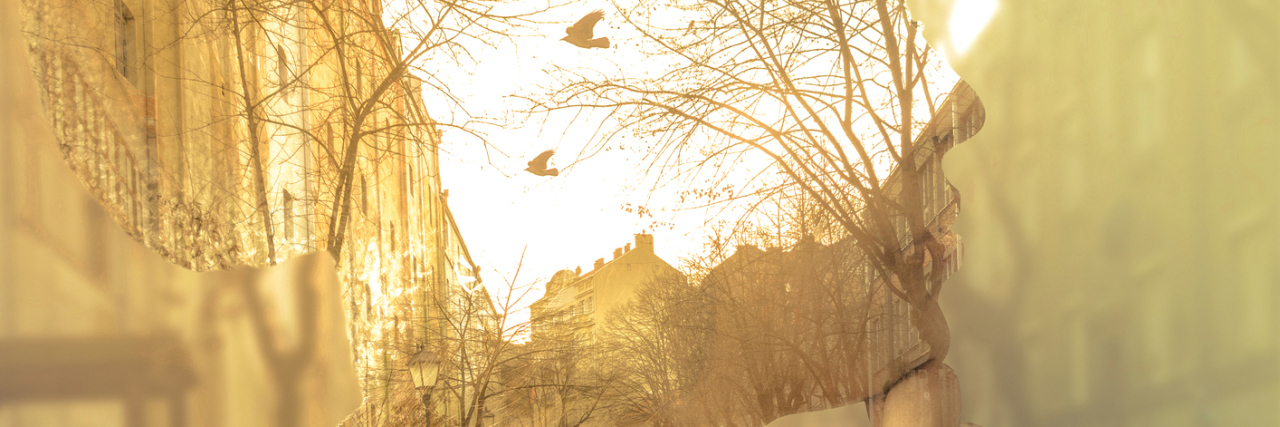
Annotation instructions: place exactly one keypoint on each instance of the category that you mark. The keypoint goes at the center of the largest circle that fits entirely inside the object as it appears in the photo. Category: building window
(282, 65)
(393, 241)
(124, 39)
(288, 216)
(359, 77)
(364, 196)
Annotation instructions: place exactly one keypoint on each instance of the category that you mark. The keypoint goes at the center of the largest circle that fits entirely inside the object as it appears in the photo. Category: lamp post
(425, 368)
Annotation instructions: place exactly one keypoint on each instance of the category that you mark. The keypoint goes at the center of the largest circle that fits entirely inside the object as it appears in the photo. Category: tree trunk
(254, 133)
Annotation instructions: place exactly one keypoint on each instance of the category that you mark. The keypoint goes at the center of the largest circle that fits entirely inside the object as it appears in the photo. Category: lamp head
(425, 368)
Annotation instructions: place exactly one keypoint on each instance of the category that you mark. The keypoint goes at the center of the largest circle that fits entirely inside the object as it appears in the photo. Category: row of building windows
(584, 306)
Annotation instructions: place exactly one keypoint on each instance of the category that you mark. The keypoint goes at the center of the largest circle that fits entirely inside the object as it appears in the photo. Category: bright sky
(968, 19)
(577, 217)
(565, 221)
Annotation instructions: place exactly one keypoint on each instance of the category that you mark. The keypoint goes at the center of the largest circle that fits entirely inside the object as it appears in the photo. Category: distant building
(590, 296)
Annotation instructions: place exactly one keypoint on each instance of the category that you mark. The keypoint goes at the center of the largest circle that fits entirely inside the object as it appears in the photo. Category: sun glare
(968, 19)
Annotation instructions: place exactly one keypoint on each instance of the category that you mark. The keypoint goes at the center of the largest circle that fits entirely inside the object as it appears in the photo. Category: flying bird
(538, 166)
(580, 34)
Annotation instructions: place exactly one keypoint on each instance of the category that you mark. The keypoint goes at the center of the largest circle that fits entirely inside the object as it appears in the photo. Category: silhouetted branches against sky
(338, 74)
(657, 345)
(412, 37)
(494, 364)
(368, 53)
(823, 96)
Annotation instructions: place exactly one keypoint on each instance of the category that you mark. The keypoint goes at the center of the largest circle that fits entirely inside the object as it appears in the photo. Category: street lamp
(425, 368)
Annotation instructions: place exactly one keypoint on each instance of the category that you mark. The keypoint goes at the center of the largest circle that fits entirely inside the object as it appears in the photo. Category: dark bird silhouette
(580, 33)
(538, 166)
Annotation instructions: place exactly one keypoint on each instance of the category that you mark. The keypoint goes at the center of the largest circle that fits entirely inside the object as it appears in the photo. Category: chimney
(617, 252)
(599, 263)
(644, 241)
(626, 248)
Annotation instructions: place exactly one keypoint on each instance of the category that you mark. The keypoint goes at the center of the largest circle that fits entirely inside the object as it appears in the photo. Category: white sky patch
(968, 19)
(565, 221)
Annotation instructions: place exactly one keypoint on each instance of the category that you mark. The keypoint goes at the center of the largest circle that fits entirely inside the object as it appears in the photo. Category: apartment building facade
(219, 134)
(587, 298)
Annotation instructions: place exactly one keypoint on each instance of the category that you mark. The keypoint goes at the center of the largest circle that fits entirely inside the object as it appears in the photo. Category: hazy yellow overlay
(1119, 219)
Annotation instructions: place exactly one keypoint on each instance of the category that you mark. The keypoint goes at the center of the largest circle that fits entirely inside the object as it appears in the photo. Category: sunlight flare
(968, 19)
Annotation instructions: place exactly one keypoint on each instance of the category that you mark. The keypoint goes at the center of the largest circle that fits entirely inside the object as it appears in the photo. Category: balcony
(101, 123)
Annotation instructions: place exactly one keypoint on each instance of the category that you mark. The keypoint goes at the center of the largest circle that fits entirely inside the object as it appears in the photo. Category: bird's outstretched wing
(583, 28)
(540, 162)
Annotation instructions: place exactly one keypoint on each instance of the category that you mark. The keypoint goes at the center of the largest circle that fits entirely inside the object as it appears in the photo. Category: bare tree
(559, 376)
(658, 348)
(828, 96)
(287, 364)
(792, 329)
(569, 377)
(374, 52)
(491, 366)
(249, 24)
(254, 88)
